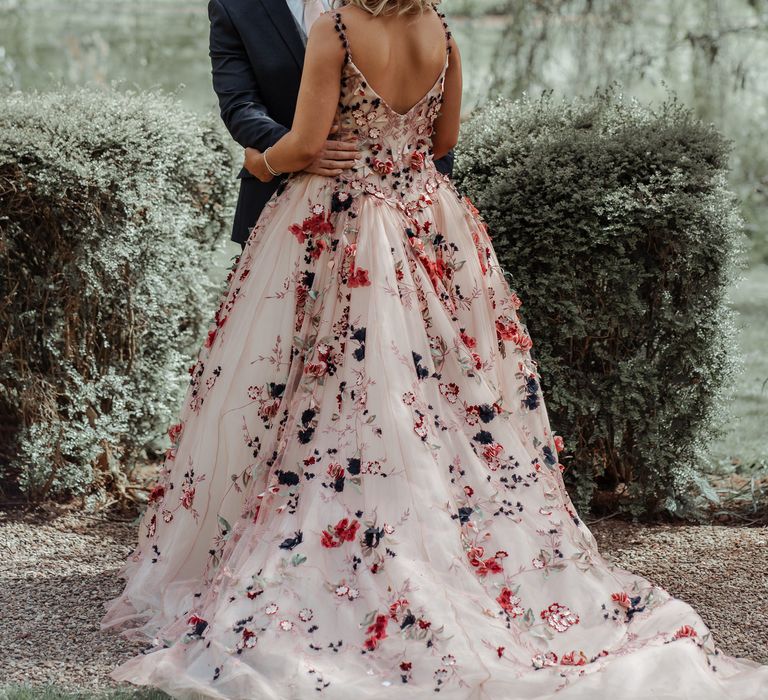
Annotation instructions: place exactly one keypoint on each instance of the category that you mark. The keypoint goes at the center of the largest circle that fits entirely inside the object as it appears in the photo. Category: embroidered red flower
(269, 409)
(157, 493)
(315, 369)
(507, 329)
(574, 658)
(174, 432)
(302, 293)
(359, 278)
(345, 530)
(248, 640)
(489, 566)
(559, 443)
(484, 567)
(336, 535)
(474, 555)
(327, 540)
(621, 599)
(188, 497)
(509, 603)
(383, 167)
(320, 246)
(377, 632)
(299, 232)
(397, 607)
(685, 631)
(335, 470)
(480, 257)
(417, 160)
(420, 428)
(211, 338)
(469, 341)
(317, 224)
(492, 451)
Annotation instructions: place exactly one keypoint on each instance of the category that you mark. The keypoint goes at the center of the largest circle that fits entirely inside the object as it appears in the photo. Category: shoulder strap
(441, 15)
(340, 27)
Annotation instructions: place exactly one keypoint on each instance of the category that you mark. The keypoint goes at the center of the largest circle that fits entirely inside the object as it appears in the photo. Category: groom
(257, 53)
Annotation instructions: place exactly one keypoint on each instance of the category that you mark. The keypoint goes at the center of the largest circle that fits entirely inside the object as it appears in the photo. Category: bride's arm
(446, 127)
(315, 107)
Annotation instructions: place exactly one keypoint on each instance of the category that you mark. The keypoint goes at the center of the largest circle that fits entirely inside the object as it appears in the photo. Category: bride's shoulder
(324, 34)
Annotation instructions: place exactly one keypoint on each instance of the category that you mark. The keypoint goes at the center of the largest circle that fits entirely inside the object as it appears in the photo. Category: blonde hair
(389, 7)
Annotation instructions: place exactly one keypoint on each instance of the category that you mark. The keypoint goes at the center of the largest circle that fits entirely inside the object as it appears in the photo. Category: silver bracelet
(272, 172)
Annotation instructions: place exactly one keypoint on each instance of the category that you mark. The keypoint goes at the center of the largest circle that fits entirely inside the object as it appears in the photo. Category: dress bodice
(396, 148)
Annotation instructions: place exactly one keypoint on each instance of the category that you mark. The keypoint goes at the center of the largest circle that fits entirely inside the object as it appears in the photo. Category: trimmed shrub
(110, 207)
(616, 226)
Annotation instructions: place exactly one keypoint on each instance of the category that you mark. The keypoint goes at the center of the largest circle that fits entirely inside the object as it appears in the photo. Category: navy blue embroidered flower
(486, 413)
(291, 542)
(464, 514)
(421, 372)
(483, 437)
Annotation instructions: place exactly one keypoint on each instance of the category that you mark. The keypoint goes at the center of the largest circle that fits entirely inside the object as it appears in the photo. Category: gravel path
(56, 572)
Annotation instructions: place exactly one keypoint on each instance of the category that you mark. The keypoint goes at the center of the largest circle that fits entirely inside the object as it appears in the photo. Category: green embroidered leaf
(528, 617)
(224, 525)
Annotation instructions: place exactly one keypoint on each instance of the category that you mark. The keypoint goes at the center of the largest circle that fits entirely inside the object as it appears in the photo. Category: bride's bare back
(401, 58)
(400, 55)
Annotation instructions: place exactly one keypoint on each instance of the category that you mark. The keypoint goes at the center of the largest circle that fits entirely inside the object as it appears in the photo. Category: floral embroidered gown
(363, 498)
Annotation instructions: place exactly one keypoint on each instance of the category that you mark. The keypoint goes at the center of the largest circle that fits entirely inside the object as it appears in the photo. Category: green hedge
(111, 205)
(616, 226)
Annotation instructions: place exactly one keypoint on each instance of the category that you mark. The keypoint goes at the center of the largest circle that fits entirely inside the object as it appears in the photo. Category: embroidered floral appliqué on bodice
(396, 162)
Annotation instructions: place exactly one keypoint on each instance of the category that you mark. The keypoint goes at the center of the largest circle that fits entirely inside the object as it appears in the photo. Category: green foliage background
(615, 221)
(111, 206)
(622, 237)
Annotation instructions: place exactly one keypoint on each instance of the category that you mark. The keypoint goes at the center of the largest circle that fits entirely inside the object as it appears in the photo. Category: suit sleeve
(240, 101)
(445, 164)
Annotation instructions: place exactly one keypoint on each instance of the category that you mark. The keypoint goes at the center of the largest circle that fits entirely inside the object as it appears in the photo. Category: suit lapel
(280, 15)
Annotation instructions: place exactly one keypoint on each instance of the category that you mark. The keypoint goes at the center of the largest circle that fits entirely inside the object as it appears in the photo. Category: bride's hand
(254, 164)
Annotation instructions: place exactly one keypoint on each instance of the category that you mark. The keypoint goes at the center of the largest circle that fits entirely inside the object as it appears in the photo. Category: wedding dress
(363, 497)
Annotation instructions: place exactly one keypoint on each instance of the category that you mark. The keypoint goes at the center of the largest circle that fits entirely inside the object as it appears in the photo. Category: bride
(363, 497)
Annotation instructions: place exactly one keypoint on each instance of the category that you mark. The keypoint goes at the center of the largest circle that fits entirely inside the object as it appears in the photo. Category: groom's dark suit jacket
(257, 53)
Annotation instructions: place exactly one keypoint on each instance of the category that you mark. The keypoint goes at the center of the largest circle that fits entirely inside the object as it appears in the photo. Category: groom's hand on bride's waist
(336, 156)
(334, 159)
